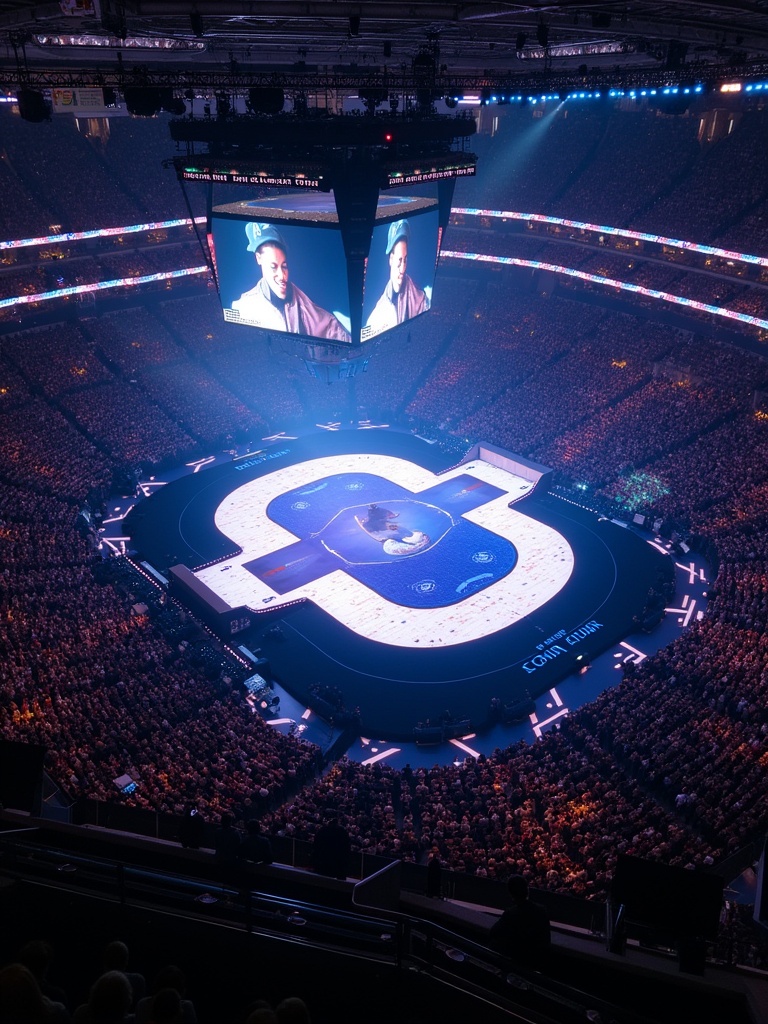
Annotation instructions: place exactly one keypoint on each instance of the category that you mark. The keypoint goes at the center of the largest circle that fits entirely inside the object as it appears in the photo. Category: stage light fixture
(33, 106)
(143, 101)
(372, 97)
(266, 101)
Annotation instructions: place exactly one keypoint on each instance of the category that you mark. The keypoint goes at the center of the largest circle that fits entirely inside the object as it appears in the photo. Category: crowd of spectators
(746, 235)
(593, 375)
(513, 156)
(708, 724)
(568, 169)
(56, 358)
(646, 423)
(558, 813)
(720, 286)
(37, 153)
(135, 151)
(205, 408)
(42, 452)
(505, 342)
(27, 280)
(667, 765)
(13, 388)
(751, 301)
(99, 662)
(133, 339)
(698, 207)
(709, 469)
(594, 166)
(109, 689)
(112, 984)
(619, 172)
(21, 216)
(150, 259)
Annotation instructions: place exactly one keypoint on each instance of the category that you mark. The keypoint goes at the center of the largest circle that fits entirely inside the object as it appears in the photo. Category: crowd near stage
(419, 583)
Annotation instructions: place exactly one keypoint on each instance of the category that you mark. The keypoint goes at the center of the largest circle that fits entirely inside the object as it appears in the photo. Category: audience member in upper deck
(522, 932)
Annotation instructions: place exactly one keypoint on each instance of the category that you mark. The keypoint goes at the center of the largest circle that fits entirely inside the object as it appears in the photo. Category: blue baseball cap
(263, 234)
(398, 230)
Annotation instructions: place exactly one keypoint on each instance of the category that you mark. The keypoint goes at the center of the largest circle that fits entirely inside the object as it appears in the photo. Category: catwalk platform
(418, 582)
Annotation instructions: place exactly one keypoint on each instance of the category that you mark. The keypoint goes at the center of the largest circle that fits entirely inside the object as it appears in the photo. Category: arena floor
(417, 586)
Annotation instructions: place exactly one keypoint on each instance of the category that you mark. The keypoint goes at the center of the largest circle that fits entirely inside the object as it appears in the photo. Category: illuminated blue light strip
(79, 289)
(78, 236)
(651, 293)
(641, 236)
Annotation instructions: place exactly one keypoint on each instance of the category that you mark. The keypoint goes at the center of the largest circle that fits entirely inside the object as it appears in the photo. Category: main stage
(416, 582)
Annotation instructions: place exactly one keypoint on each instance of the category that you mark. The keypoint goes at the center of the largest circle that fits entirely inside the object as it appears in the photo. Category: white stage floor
(545, 559)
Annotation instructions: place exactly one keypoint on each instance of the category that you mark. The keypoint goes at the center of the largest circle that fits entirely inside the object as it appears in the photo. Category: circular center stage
(418, 588)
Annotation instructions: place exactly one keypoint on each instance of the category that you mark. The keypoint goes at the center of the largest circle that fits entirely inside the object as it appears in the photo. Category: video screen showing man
(402, 298)
(275, 303)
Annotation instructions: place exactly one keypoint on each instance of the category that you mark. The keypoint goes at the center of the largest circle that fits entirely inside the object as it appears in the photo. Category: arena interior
(600, 311)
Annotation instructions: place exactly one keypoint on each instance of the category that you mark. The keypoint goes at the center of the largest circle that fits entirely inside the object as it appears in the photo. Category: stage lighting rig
(332, 143)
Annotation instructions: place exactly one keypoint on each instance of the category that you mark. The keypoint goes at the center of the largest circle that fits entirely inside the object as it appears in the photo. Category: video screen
(283, 277)
(281, 265)
(400, 273)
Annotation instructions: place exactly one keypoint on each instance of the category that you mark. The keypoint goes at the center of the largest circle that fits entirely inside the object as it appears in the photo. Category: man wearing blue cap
(402, 299)
(275, 303)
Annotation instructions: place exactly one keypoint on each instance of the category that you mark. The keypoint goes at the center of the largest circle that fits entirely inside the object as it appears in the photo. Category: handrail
(402, 940)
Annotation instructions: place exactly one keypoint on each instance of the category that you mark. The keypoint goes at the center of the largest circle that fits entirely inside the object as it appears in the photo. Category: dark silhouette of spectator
(169, 978)
(192, 829)
(22, 1002)
(292, 1011)
(262, 1015)
(37, 956)
(227, 843)
(331, 848)
(109, 1001)
(256, 846)
(522, 932)
(166, 1007)
(434, 877)
(116, 957)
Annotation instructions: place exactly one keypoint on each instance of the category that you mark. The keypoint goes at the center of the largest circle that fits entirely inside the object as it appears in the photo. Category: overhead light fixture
(86, 40)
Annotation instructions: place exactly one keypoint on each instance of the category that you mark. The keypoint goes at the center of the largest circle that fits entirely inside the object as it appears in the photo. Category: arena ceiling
(489, 40)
